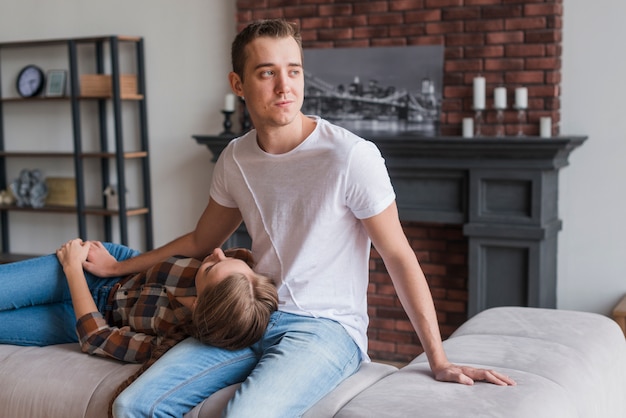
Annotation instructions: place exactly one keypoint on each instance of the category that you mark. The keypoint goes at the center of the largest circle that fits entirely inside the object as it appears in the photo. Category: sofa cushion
(57, 381)
(566, 364)
(368, 374)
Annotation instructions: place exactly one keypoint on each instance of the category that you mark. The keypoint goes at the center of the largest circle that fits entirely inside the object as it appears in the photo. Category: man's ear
(193, 305)
(235, 83)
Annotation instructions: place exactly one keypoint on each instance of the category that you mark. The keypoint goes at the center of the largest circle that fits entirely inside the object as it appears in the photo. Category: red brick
(494, 12)
(400, 41)
(267, 14)
(299, 11)
(546, 9)
(461, 13)
(481, 2)
(456, 91)
(462, 65)
(543, 36)
(437, 4)
(316, 23)
(524, 77)
(484, 51)
(552, 77)
(406, 30)
(532, 50)
(505, 37)
(251, 4)
(504, 64)
(334, 34)
(550, 63)
(426, 40)
(544, 91)
(525, 23)
(335, 9)
(462, 39)
(386, 19)
(403, 5)
(484, 26)
(371, 7)
(356, 21)
(423, 16)
(444, 28)
(371, 32)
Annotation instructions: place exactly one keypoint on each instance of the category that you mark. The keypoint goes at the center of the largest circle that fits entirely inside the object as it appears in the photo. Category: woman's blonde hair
(234, 313)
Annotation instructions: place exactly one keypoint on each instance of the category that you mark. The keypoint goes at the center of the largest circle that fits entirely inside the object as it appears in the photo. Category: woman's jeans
(296, 363)
(35, 303)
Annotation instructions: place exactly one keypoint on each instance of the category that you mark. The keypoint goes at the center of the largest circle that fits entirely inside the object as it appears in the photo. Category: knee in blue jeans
(128, 407)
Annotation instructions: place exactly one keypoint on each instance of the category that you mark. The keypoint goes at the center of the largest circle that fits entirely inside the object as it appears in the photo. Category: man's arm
(215, 225)
(410, 283)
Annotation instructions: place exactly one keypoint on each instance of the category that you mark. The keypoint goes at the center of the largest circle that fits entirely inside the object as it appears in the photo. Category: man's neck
(280, 140)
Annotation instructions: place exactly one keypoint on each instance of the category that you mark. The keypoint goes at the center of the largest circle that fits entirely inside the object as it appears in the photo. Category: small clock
(30, 81)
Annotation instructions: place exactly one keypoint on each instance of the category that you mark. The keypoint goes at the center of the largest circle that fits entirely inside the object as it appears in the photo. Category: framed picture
(55, 83)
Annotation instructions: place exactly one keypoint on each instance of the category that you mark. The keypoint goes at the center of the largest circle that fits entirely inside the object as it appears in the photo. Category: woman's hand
(99, 261)
(73, 253)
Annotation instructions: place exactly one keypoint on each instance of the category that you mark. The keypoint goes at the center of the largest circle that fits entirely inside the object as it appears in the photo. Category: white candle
(499, 97)
(468, 127)
(521, 98)
(229, 102)
(545, 127)
(479, 93)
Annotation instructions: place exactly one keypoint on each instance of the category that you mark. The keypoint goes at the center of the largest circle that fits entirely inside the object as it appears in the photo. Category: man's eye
(295, 72)
(267, 74)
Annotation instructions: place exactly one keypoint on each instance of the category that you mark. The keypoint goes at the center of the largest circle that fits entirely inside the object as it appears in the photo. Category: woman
(219, 300)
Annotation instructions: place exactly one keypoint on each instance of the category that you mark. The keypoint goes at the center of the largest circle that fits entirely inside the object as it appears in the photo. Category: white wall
(592, 245)
(187, 52)
(187, 48)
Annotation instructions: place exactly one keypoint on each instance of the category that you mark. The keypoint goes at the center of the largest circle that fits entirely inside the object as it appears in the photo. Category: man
(314, 197)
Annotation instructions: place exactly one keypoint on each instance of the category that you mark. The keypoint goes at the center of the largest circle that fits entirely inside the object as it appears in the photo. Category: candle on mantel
(479, 93)
(521, 98)
(468, 127)
(229, 103)
(499, 97)
(545, 126)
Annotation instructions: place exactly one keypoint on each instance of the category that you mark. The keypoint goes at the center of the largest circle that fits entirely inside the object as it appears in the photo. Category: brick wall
(442, 252)
(510, 42)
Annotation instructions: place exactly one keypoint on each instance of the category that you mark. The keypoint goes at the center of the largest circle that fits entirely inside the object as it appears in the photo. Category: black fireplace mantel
(504, 191)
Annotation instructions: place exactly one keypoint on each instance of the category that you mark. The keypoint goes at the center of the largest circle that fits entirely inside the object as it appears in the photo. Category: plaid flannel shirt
(144, 310)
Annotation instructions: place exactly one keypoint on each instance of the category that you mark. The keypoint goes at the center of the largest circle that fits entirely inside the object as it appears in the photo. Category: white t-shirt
(302, 211)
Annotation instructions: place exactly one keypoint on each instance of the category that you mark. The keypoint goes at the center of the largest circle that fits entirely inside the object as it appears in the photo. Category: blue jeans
(298, 361)
(35, 303)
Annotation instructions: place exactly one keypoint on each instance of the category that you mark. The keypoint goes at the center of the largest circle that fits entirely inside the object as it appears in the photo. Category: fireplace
(482, 217)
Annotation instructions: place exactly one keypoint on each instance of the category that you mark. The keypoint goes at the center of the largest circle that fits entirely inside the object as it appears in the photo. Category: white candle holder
(478, 122)
(500, 122)
(521, 119)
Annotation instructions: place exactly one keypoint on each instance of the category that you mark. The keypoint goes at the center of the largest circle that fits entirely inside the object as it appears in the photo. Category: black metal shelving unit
(121, 156)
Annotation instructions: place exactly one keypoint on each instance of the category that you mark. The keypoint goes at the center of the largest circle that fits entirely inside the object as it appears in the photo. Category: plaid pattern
(145, 309)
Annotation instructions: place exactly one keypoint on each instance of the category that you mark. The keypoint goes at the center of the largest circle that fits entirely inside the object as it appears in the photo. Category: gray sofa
(567, 364)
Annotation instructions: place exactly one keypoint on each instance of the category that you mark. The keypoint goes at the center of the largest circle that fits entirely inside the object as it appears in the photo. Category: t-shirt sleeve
(368, 186)
(219, 183)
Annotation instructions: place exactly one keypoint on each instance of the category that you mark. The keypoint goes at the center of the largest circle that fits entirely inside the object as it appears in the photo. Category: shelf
(113, 93)
(50, 42)
(53, 154)
(129, 97)
(90, 210)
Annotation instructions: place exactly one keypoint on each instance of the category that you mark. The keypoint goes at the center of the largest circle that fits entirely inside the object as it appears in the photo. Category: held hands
(99, 261)
(73, 253)
(468, 375)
